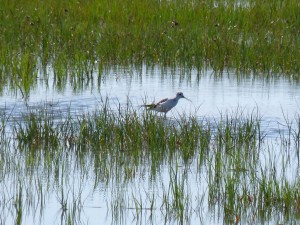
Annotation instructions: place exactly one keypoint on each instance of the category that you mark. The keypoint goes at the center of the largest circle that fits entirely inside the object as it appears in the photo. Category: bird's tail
(149, 106)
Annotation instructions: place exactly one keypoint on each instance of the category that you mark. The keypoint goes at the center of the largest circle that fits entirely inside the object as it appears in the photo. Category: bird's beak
(187, 99)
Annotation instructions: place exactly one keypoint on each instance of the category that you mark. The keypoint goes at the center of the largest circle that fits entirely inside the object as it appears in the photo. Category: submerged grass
(113, 148)
(77, 37)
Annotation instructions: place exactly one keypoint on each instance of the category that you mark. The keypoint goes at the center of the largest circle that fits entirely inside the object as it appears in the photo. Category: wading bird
(165, 105)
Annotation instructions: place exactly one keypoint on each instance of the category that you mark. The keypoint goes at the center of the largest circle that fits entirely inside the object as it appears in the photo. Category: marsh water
(275, 99)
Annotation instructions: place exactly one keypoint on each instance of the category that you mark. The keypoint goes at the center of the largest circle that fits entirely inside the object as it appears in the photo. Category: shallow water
(275, 99)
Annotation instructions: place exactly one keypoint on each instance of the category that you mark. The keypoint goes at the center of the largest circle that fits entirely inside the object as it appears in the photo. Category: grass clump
(77, 37)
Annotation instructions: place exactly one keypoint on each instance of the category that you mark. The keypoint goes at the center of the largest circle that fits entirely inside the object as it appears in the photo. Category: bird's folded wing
(153, 105)
(162, 101)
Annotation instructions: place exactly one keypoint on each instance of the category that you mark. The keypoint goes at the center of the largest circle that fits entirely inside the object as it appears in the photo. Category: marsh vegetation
(75, 36)
(161, 169)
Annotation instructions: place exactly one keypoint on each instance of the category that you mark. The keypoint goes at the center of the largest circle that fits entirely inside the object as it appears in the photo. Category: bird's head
(180, 95)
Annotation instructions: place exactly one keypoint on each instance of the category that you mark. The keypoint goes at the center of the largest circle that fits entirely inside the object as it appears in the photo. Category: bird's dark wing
(162, 101)
(153, 105)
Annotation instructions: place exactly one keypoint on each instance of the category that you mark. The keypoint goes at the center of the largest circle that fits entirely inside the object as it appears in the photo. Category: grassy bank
(226, 167)
(72, 35)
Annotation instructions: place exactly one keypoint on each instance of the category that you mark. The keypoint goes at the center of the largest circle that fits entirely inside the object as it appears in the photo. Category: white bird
(165, 105)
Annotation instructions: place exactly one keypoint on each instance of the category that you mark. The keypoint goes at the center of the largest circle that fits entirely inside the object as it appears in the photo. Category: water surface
(212, 95)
